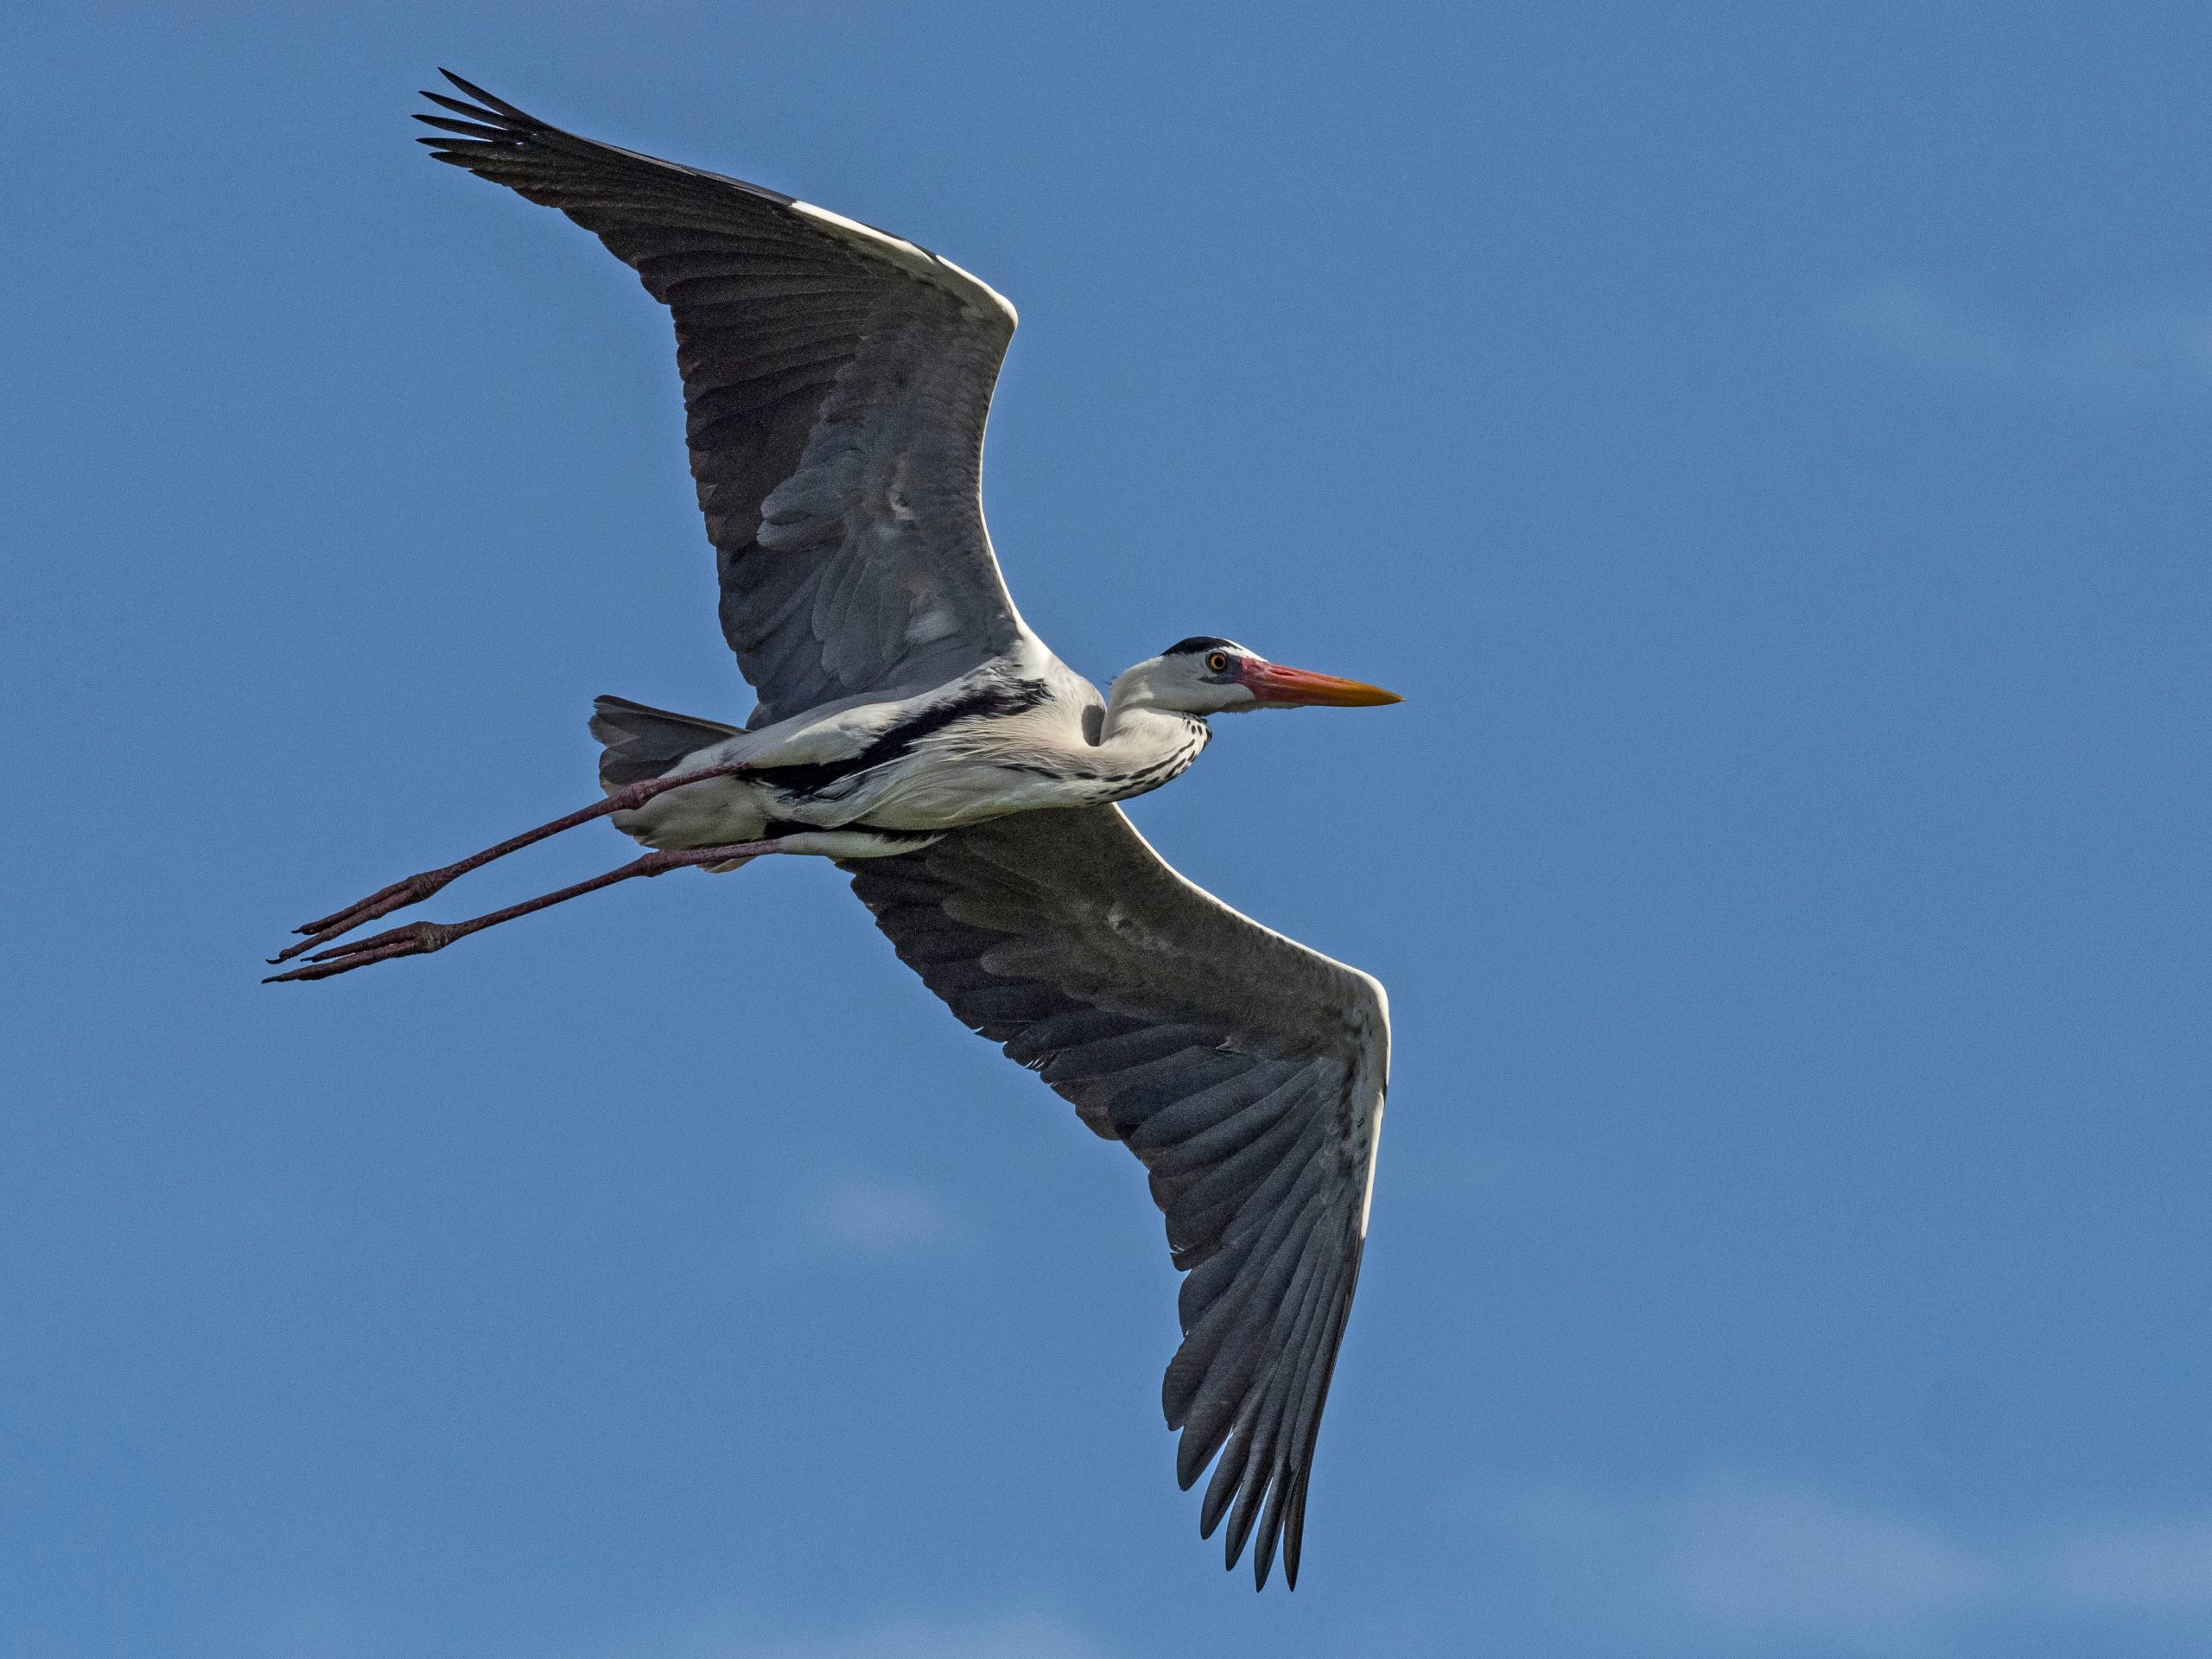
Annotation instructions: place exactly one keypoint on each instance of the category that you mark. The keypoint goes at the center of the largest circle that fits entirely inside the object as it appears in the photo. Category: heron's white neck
(1147, 726)
(1139, 740)
(1131, 709)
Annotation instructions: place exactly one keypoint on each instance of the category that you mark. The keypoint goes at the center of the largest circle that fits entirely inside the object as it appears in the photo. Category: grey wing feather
(1246, 1071)
(836, 384)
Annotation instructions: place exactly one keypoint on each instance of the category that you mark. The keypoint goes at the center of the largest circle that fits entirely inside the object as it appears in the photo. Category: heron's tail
(643, 742)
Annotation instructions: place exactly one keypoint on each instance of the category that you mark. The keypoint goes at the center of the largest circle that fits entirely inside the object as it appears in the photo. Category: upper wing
(1247, 1071)
(836, 380)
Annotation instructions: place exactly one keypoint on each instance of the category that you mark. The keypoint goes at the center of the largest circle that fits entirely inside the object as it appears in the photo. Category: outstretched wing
(836, 380)
(1247, 1071)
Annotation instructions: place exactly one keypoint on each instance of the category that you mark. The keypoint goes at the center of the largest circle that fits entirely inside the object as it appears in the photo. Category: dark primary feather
(835, 388)
(1245, 1071)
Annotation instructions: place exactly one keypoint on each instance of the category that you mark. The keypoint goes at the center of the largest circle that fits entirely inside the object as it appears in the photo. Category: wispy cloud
(1742, 1566)
(2160, 1571)
(1752, 1560)
(320, 1627)
(2124, 352)
(993, 1636)
(874, 1217)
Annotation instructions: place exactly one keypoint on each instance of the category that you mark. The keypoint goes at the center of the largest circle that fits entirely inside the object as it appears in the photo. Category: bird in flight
(913, 730)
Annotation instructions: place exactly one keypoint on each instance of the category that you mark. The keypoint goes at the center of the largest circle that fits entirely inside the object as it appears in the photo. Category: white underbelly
(943, 792)
(719, 812)
(723, 811)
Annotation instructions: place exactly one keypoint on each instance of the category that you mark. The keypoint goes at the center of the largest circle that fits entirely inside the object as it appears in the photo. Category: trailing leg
(420, 939)
(416, 888)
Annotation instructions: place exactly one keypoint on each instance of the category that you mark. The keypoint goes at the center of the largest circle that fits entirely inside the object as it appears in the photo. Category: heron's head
(1205, 676)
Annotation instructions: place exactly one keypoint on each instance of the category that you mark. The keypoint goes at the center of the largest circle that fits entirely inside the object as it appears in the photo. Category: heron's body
(912, 727)
(1022, 732)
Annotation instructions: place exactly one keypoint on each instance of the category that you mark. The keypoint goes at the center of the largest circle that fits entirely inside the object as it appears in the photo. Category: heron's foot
(416, 939)
(400, 894)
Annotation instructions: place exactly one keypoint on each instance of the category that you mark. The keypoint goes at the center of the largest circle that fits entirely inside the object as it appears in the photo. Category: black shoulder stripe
(997, 699)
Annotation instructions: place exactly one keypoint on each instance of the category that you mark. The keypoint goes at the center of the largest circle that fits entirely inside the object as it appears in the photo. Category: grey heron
(911, 728)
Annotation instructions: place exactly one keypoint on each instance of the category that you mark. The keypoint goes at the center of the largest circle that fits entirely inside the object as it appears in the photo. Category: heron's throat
(1141, 745)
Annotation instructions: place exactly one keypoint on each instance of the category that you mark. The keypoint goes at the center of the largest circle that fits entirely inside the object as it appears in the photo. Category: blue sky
(1766, 446)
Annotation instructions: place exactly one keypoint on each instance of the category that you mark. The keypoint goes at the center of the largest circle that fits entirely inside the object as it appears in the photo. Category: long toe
(400, 894)
(416, 939)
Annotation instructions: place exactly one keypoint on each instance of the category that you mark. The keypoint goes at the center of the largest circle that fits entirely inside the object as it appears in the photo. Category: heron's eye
(1218, 663)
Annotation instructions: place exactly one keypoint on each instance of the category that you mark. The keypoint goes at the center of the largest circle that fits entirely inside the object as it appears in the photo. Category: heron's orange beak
(1277, 687)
